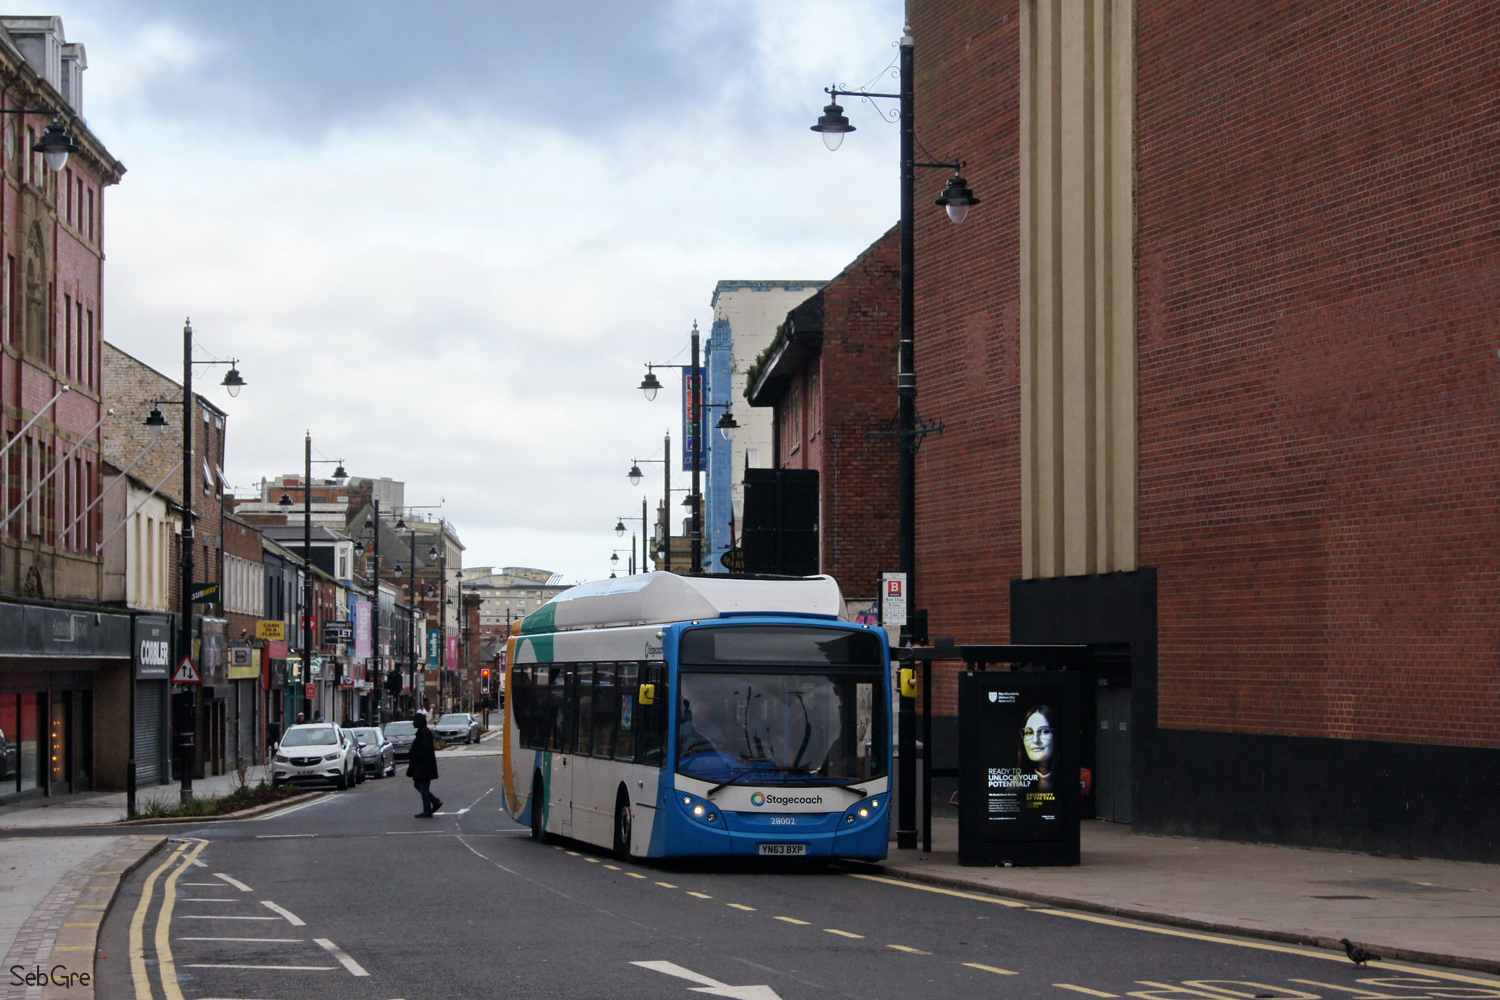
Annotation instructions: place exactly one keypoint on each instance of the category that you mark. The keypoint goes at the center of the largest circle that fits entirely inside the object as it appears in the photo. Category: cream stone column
(1077, 229)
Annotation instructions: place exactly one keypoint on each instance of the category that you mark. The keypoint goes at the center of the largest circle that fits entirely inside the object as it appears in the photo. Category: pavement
(101, 808)
(1438, 912)
(54, 895)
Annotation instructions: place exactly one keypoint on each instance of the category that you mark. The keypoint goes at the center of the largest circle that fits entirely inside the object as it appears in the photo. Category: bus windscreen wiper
(725, 784)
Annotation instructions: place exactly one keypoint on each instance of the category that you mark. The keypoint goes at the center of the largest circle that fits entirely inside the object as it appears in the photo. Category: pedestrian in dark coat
(422, 767)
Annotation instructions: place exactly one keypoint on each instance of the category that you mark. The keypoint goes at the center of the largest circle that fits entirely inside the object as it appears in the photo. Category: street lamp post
(372, 525)
(635, 476)
(726, 426)
(187, 735)
(956, 199)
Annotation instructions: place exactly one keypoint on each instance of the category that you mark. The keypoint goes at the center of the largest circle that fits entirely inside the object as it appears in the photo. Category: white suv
(315, 753)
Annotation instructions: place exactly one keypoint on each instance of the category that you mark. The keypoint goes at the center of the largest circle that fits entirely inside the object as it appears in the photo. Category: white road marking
(266, 940)
(200, 864)
(1084, 989)
(282, 968)
(283, 836)
(204, 899)
(242, 887)
(847, 934)
(354, 967)
(215, 916)
(203, 885)
(711, 986)
(908, 949)
(456, 812)
(291, 917)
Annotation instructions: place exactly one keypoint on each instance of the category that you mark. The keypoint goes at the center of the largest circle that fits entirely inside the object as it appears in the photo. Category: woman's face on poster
(1036, 737)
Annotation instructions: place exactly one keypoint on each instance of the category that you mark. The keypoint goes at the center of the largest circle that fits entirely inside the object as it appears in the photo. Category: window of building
(794, 425)
(814, 404)
(67, 364)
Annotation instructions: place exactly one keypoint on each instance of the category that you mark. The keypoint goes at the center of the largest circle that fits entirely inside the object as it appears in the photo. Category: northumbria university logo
(757, 799)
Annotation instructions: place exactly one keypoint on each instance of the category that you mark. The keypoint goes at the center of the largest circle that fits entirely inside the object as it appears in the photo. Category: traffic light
(484, 680)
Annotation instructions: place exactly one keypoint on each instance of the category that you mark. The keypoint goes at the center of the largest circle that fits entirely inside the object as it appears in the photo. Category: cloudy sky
(445, 236)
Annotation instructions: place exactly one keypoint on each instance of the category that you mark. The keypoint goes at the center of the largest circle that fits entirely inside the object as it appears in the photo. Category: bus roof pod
(658, 598)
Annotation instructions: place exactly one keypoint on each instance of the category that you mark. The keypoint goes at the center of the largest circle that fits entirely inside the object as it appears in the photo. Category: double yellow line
(182, 857)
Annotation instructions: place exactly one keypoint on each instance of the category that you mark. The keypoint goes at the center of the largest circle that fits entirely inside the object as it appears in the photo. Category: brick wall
(130, 386)
(1318, 236)
(856, 395)
(967, 358)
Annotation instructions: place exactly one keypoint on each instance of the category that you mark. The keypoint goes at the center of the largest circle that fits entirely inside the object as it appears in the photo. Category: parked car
(457, 727)
(400, 734)
(316, 753)
(377, 752)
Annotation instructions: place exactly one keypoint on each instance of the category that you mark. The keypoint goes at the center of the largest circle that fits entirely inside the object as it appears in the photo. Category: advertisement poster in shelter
(1018, 778)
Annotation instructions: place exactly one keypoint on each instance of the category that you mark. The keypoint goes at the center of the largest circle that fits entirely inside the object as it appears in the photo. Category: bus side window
(606, 710)
(626, 687)
(651, 720)
(585, 702)
(520, 703)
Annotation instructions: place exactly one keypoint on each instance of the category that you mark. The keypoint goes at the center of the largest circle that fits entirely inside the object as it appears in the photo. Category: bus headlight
(864, 814)
(697, 810)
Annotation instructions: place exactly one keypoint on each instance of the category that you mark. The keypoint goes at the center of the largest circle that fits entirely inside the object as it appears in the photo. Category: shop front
(52, 663)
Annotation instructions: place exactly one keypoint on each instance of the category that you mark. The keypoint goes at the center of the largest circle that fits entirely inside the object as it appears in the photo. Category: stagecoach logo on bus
(761, 798)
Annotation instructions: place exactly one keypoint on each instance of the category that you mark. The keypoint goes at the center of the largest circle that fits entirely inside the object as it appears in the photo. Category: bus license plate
(784, 850)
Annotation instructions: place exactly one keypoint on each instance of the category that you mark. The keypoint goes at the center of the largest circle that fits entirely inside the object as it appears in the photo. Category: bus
(663, 716)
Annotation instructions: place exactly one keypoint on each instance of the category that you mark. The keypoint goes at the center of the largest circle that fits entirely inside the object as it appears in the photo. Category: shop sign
(153, 649)
(244, 663)
(434, 648)
(271, 630)
(29, 630)
(453, 653)
(312, 691)
(337, 632)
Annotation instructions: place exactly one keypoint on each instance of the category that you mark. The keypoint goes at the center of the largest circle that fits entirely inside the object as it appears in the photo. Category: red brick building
(65, 660)
(1216, 358)
(830, 376)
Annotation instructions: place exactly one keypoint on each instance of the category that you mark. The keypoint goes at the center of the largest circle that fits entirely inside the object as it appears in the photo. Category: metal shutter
(245, 700)
(150, 735)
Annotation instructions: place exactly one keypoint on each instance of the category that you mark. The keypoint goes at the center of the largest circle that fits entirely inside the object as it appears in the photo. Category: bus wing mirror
(908, 682)
(647, 694)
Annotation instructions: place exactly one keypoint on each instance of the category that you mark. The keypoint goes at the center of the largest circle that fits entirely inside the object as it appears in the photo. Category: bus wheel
(622, 827)
(538, 826)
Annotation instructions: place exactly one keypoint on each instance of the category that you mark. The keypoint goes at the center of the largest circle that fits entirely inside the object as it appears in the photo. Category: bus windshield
(769, 727)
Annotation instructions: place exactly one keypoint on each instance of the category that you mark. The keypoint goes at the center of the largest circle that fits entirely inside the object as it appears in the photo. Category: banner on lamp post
(362, 619)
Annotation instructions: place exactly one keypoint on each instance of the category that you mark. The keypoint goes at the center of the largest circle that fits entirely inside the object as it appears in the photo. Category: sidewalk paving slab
(1422, 910)
(64, 887)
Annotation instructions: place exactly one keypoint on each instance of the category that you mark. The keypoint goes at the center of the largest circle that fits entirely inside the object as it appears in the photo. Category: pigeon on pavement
(1356, 954)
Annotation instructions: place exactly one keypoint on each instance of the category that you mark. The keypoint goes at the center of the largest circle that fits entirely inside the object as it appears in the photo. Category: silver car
(378, 753)
(315, 753)
(457, 727)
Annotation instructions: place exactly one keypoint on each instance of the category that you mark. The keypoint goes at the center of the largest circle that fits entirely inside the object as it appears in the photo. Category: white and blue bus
(668, 716)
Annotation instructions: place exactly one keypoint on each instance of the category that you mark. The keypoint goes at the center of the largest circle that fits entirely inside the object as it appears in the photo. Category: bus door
(560, 770)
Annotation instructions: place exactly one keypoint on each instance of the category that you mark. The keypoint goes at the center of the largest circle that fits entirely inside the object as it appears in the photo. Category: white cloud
(463, 300)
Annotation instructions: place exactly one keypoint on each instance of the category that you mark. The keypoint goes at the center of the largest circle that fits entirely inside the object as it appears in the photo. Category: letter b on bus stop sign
(893, 599)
